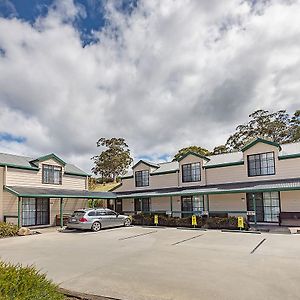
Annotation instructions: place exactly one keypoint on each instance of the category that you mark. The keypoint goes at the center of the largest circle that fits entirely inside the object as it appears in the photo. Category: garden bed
(202, 222)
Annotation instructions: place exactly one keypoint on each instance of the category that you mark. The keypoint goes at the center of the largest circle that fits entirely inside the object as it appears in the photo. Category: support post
(171, 205)
(19, 212)
(61, 213)
(254, 207)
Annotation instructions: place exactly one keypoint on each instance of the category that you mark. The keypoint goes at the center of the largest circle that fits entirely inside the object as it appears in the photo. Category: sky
(161, 74)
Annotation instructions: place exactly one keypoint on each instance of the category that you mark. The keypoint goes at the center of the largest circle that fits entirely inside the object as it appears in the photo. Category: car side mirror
(117, 214)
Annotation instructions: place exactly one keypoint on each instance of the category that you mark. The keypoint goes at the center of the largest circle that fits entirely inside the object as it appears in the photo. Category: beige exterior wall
(20, 177)
(164, 180)
(1, 192)
(285, 168)
(160, 203)
(228, 202)
(192, 159)
(290, 201)
(10, 204)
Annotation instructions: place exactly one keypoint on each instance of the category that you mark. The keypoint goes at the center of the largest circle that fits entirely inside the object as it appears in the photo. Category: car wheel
(127, 222)
(96, 226)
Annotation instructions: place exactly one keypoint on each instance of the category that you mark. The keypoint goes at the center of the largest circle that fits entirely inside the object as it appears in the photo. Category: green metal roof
(28, 163)
(260, 140)
(33, 192)
(232, 188)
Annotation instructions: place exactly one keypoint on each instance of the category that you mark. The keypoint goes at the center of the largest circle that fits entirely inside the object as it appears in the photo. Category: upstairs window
(142, 178)
(261, 164)
(52, 174)
(191, 172)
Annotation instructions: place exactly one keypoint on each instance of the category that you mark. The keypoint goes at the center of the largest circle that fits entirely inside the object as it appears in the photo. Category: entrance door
(111, 204)
(35, 211)
(119, 206)
(267, 206)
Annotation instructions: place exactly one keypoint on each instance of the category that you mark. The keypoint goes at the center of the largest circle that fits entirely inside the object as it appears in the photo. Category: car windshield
(78, 213)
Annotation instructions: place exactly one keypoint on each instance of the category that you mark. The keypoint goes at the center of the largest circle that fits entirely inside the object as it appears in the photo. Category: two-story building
(33, 191)
(261, 181)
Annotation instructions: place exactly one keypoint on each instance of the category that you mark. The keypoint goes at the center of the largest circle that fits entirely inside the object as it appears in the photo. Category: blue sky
(161, 74)
(92, 19)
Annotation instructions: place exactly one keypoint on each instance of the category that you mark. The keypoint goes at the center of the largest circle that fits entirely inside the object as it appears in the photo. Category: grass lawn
(104, 187)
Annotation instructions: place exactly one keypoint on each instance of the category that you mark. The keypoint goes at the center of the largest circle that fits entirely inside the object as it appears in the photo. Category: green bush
(224, 223)
(206, 222)
(7, 229)
(164, 220)
(25, 283)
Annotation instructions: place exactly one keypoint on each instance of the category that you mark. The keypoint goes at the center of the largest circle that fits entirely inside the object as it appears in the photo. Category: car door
(104, 219)
(114, 220)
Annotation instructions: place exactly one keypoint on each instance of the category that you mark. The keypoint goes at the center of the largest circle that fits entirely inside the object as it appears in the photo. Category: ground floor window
(35, 211)
(192, 205)
(142, 204)
(267, 206)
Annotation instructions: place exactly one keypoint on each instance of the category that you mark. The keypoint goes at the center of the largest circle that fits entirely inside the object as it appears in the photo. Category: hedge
(25, 283)
(7, 229)
(205, 222)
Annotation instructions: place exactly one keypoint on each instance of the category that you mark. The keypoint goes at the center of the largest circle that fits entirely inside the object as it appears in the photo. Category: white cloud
(170, 74)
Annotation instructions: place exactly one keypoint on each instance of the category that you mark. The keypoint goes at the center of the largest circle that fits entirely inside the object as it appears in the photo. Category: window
(52, 174)
(191, 172)
(261, 164)
(142, 204)
(92, 213)
(110, 213)
(142, 178)
(192, 205)
(267, 206)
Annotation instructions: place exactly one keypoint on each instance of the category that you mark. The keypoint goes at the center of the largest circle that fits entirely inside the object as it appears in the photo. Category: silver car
(95, 219)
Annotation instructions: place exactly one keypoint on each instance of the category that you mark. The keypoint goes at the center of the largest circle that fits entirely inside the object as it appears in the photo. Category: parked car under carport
(96, 219)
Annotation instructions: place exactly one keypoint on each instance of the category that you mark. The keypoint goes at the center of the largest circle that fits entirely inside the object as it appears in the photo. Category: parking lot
(165, 263)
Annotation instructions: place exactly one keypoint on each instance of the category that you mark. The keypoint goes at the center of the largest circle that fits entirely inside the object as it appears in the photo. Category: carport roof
(231, 188)
(34, 192)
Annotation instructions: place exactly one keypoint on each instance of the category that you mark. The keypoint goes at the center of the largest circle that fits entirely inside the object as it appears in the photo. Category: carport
(46, 193)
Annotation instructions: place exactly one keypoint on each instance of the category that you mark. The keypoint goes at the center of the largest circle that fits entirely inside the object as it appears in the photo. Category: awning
(231, 188)
(33, 192)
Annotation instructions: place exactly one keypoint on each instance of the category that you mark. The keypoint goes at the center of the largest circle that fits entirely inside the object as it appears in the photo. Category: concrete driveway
(157, 263)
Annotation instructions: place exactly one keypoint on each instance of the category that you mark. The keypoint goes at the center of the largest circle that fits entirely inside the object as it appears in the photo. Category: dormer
(141, 173)
(52, 168)
(191, 168)
(261, 156)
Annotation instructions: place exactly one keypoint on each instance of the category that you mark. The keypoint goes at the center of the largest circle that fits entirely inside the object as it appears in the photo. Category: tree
(220, 149)
(272, 126)
(113, 161)
(295, 127)
(196, 149)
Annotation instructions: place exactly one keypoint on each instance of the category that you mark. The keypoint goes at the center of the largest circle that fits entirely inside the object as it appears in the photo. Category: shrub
(164, 220)
(25, 283)
(7, 229)
(224, 223)
(210, 223)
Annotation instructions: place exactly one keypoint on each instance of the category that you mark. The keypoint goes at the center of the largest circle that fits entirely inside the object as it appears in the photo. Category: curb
(83, 296)
(240, 231)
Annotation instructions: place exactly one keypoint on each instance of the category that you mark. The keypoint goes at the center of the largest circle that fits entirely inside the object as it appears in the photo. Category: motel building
(261, 183)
